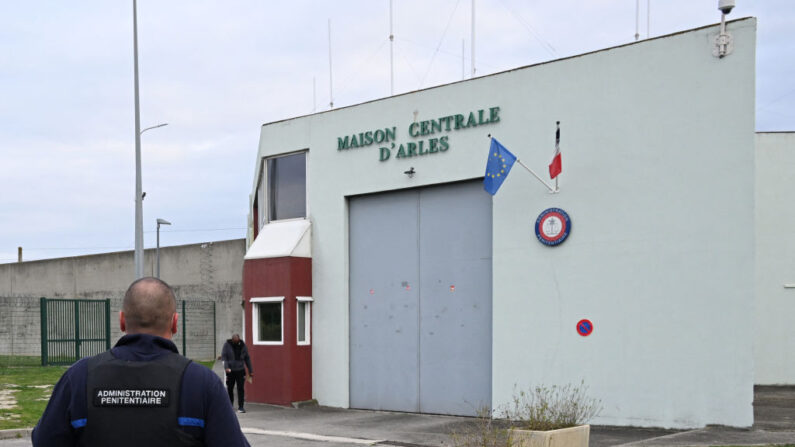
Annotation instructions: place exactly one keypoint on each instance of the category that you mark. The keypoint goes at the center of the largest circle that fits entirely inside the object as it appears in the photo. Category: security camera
(726, 6)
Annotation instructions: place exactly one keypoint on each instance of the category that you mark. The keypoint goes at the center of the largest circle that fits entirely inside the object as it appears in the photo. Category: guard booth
(277, 289)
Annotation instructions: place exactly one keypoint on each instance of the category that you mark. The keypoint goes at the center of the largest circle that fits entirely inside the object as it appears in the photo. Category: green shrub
(541, 408)
(551, 408)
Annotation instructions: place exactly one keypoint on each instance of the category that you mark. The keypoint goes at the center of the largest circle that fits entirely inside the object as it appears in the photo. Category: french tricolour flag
(556, 167)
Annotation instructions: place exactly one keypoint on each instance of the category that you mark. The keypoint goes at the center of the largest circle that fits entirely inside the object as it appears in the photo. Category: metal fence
(36, 331)
(197, 320)
(72, 329)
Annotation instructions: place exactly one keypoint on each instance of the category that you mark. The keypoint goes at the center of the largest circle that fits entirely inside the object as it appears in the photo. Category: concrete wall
(658, 178)
(200, 272)
(19, 326)
(775, 258)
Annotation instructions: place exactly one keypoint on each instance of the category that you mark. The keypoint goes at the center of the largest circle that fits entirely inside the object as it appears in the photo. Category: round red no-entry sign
(584, 327)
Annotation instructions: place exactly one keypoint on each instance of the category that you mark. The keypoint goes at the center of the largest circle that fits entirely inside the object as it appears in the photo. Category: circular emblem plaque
(553, 226)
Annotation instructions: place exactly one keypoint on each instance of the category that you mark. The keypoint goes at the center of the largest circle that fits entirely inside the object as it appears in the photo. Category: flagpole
(551, 189)
(557, 149)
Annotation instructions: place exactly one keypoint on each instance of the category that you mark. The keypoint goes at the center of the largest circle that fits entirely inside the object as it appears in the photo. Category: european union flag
(499, 165)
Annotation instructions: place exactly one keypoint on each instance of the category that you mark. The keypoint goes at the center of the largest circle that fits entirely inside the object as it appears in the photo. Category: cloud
(216, 71)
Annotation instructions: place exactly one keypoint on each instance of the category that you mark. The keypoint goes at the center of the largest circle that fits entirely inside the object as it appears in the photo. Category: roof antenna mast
(330, 83)
(391, 54)
(473, 38)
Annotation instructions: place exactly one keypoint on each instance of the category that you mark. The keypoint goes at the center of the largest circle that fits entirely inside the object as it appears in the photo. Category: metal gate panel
(455, 299)
(420, 300)
(94, 327)
(72, 329)
(383, 302)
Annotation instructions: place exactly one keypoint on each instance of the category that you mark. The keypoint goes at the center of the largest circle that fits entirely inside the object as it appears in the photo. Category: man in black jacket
(236, 360)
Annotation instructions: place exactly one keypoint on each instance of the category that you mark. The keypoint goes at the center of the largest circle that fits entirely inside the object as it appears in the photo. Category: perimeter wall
(201, 274)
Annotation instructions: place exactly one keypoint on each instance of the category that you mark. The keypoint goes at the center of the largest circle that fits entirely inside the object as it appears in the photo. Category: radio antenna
(330, 83)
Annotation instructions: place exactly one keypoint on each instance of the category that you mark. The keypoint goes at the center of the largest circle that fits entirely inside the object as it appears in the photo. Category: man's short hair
(149, 305)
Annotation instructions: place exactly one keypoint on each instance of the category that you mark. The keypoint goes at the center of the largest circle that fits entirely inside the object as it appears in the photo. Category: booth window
(304, 307)
(284, 188)
(268, 320)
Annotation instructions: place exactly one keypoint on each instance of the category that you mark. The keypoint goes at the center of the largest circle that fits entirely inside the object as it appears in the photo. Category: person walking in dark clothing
(236, 360)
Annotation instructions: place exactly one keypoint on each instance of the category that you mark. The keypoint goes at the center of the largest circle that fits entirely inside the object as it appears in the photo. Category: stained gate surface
(420, 300)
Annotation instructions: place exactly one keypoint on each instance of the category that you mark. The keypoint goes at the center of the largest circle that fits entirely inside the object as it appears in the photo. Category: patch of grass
(26, 379)
(19, 360)
(27, 386)
(208, 363)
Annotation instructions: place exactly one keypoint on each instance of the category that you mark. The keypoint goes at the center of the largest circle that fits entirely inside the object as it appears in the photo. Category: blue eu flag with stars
(499, 165)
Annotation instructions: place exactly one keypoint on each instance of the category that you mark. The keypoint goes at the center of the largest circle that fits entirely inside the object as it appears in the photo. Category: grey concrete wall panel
(416, 343)
(199, 273)
(455, 299)
(774, 339)
(20, 326)
(384, 302)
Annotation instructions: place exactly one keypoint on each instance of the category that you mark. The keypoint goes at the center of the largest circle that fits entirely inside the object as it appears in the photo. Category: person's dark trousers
(239, 378)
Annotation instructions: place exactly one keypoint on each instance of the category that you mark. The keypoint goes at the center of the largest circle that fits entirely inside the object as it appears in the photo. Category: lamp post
(139, 218)
(139, 231)
(159, 222)
(139, 222)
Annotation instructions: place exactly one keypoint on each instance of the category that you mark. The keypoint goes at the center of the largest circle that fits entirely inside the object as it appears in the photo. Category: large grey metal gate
(72, 329)
(420, 300)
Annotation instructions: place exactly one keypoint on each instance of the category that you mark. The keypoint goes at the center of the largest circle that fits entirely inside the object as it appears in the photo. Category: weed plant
(540, 408)
(485, 431)
(552, 408)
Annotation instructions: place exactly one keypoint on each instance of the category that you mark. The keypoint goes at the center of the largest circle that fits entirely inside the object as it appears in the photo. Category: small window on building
(268, 320)
(286, 187)
(304, 313)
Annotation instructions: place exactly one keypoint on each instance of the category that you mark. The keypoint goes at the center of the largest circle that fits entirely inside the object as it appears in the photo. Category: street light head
(153, 127)
(159, 222)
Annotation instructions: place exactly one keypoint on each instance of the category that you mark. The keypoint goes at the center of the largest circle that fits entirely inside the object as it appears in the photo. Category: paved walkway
(266, 425)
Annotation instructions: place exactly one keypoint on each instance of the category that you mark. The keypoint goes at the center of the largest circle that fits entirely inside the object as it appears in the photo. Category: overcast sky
(215, 71)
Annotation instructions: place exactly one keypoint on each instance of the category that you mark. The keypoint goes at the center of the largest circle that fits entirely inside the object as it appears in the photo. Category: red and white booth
(277, 289)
